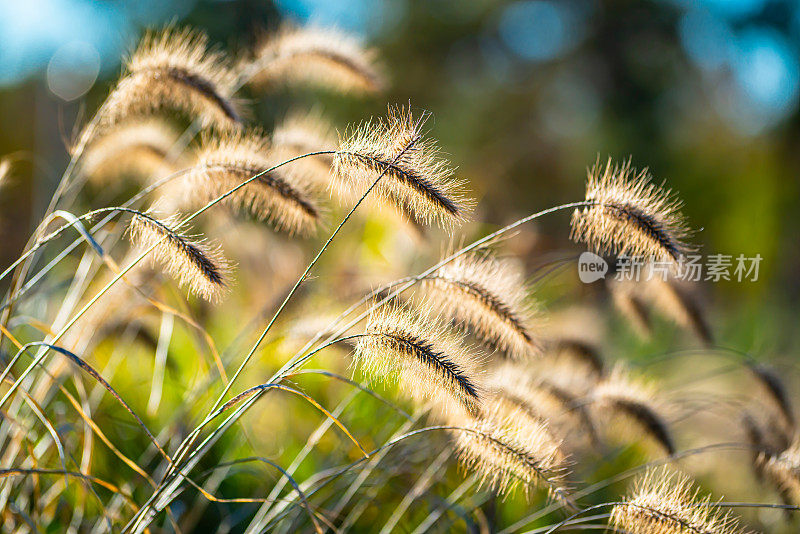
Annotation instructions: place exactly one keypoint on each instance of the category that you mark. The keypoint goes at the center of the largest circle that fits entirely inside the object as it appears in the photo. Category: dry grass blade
(630, 216)
(414, 177)
(487, 298)
(175, 69)
(282, 196)
(194, 263)
(317, 56)
(664, 503)
(137, 147)
(428, 361)
(633, 402)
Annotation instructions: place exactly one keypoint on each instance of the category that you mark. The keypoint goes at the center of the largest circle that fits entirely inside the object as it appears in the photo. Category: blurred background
(524, 94)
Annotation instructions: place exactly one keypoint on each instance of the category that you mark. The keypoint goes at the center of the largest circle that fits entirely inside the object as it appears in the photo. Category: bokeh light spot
(73, 70)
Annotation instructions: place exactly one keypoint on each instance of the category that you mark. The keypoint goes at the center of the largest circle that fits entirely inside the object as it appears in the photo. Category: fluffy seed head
(419, 352)
(175, 69)
(557, 399)
(138, 147)
(664, 503)
(629, 302)
(193, 262)
(486, 297)
(630, 215)
(508, 449)
(619, 396)
(317, 56)
(414, 178)
(783, 469)
(302, 133)
(282, 196)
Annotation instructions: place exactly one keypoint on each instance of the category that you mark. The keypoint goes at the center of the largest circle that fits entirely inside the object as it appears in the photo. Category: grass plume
(485, 297)
(415, 178)
(630, 216)
(192, 262)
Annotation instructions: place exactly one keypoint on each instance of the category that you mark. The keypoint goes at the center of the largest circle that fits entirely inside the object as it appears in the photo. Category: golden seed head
(423, 355)
(485, 297)
(413, 176)
(282, 196)
(137, 147)
(666, 503)
(633, 402)
(509, 449)
(630, 216)
(175, 69)
(315, 56)
(194, 263)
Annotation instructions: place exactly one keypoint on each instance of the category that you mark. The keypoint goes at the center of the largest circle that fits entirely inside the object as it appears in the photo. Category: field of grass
(222, 324)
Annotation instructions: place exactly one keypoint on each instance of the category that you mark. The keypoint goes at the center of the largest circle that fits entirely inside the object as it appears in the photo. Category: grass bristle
(316, 56)
(137, 147)
(633, 402)
(175, 69)
(414, 177)
(282, 196)
(192, 262)
(430, 362)
(665, 503)
(485, 297)
(630, 216)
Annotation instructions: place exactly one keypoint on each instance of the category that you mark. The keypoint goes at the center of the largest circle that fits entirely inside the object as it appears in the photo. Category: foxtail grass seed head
(505, 459)
(558, 400)
(194, 263)
(138, 147)
(282, 196)
(665, 503)
(630, 216)
(315, 56)
(629, 302)
(303, 133)
(486, 297)
(175, 69)
(418, 351)
(783, 469)
(414, 177)
(634, 403)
